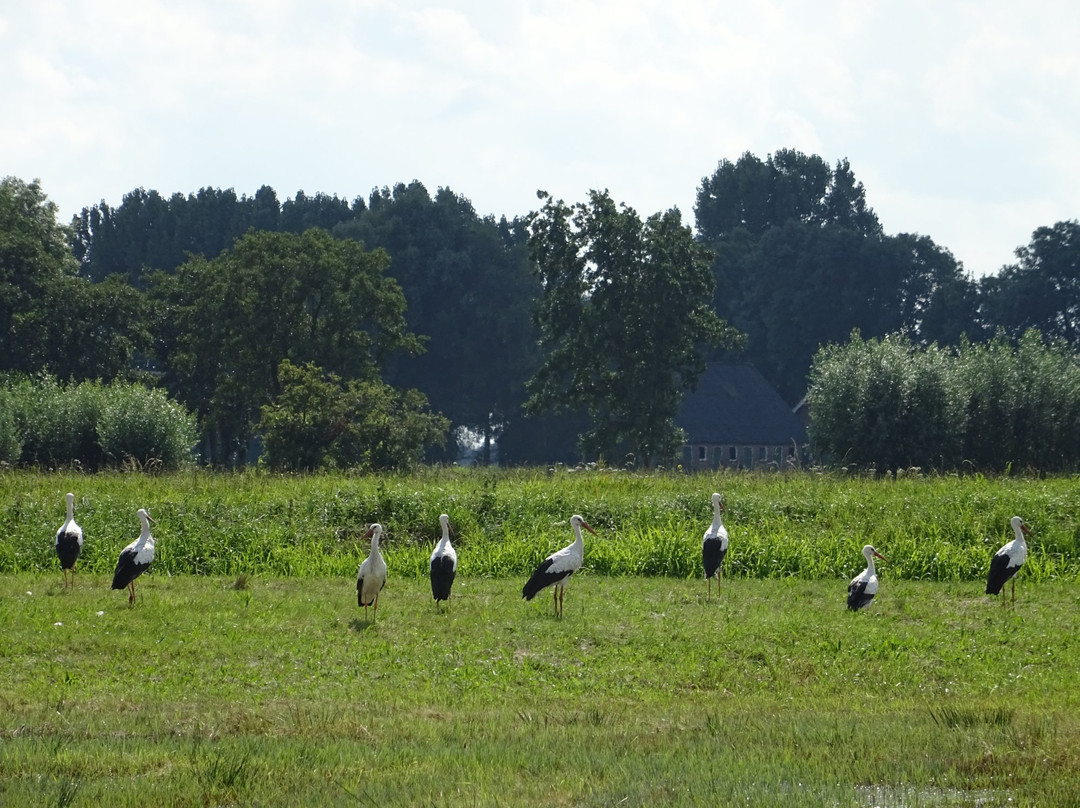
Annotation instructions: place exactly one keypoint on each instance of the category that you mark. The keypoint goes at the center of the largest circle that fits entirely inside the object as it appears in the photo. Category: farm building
(735, 419)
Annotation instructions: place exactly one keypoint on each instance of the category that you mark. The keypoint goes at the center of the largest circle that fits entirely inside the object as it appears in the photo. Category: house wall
(712, 457)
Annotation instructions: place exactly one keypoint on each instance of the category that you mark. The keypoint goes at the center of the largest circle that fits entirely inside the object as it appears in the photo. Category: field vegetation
(246, 675)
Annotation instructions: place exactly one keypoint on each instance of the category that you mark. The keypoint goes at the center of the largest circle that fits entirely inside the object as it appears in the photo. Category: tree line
(572, 329)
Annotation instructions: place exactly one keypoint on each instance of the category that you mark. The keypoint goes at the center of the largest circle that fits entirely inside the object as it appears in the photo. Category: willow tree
(625, 309)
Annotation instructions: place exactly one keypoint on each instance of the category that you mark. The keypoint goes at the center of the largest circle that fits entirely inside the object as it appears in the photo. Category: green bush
(143, 425)
(92, 425)
(890, 404)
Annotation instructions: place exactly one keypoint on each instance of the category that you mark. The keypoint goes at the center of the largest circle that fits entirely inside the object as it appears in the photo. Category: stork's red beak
(585, 525)
(1024, 528)
(879, 555)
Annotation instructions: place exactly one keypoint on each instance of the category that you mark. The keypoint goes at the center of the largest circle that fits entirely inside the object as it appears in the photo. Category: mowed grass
(280, 693)
(246, 674)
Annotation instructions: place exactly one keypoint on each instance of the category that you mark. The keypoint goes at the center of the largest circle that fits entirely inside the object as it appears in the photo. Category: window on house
(702, 453)
(733, 454)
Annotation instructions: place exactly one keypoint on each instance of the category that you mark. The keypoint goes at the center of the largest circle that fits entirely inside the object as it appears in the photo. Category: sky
(961, 119)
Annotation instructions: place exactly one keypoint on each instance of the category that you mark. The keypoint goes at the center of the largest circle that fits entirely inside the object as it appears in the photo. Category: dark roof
(734, 404)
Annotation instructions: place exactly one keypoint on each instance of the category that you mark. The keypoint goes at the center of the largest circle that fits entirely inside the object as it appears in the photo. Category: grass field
(257, 685)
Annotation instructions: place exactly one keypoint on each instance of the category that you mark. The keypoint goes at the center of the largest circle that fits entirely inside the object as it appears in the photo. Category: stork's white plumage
(1008, 560)
(372, 576)
(556, 569)
(864, 586)
(135, 559)
(443, 564)
(69, 542)
(714, 547)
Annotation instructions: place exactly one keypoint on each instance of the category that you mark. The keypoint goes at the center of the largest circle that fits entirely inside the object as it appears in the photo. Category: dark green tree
(226, 324)
(1041, 290)
(34, 257)
(625, 308)
(801, 260)
(470, 288)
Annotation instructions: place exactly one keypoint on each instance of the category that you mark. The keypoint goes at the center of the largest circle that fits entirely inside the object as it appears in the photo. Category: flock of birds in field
(554, 571)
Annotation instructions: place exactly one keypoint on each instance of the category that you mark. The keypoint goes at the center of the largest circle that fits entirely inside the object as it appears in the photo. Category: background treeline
(199, 293)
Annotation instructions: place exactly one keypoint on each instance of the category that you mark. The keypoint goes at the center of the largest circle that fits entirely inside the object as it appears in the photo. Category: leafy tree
(754, 196)
(34, 256)
(319, 421)
(625, 306)
(148, 232)
(801, 261)
(1042, 290)
(226, 324)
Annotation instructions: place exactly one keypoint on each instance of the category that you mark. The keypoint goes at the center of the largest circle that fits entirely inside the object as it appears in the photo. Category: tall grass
(793, 525)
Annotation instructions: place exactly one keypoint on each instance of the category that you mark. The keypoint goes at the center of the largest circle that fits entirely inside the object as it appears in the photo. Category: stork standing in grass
(556, 569)
(69, 541)
(372, 576)
(135, 559)
(714, 547)
(863, 586)
(443, 564)
(1008, 560)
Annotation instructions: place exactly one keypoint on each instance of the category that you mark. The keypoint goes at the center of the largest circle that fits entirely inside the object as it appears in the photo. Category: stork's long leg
(1013, 591)
(131, 598)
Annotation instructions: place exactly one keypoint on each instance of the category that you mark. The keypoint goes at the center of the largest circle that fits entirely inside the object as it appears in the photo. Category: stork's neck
(579, 542)
(718, 517)
(1019, 531)
(70, 507)
(145, 536)
(445, 540)
(870, 564)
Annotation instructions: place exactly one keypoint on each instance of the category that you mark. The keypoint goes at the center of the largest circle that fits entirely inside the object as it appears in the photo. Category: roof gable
(733, 404)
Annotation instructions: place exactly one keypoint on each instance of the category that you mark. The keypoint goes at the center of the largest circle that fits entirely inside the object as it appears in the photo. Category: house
(735, 419)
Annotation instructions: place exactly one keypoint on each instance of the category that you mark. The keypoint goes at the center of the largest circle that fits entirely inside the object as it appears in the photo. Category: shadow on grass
(360, 624)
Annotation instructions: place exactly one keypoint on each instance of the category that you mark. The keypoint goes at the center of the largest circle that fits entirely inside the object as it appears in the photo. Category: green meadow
(246, 674)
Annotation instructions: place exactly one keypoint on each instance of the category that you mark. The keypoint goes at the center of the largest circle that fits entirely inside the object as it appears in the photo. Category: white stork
(372, 576)
(443, 564)
(135, 559)
(1008, 560)
(863, 586)
(556, 569)
(69, 541)
(714, 547)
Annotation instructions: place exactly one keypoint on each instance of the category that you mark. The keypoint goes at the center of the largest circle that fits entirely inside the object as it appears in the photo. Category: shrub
(144, 425)
(92, 425)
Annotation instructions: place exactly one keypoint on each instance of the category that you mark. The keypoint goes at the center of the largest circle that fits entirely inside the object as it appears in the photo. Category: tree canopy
(625, 307)
(225, 324)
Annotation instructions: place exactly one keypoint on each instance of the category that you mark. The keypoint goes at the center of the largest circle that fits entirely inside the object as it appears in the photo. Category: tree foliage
(625, 307)
(470, 288)
(1041, 290)
(146, 231)
(227, 323)
(890, 404)
(801, 261)
(318, 421)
